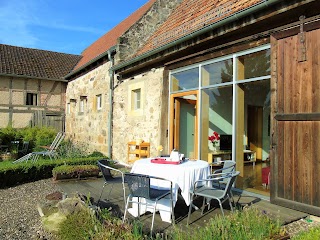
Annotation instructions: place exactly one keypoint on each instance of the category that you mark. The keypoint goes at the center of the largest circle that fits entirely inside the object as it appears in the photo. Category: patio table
(182, 175)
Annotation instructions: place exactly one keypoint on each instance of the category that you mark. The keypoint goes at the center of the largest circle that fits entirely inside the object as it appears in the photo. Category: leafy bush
(72, 150)
(36, 136)
(44, 137)
(7, 135)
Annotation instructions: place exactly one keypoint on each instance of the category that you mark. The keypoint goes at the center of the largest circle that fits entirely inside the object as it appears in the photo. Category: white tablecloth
(183, 176)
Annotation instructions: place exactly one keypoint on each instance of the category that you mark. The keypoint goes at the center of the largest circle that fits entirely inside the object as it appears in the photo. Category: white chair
(51, 151)
(208, 192)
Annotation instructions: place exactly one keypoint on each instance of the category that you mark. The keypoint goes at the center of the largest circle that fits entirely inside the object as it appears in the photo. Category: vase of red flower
(214, 139)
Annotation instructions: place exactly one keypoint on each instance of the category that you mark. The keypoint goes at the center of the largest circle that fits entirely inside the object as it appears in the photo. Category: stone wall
(129, 125)
(89, 129)
(136, 36)
(13, 94)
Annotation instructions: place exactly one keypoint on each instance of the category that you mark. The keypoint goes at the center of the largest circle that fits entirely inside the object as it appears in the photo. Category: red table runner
(163, 161)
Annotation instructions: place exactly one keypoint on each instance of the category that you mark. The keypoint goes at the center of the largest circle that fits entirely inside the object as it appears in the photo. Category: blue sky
(67, 26)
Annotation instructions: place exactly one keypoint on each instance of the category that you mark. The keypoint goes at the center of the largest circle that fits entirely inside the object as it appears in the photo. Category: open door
(183, 123)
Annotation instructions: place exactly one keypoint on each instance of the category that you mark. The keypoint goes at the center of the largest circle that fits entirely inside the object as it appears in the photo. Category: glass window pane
(254, 65)
(256, 126)
(218, 72)
(188, 79)
(216, 118)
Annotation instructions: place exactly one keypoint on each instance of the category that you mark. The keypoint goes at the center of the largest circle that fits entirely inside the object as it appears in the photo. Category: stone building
(32, 86)
(177, 71)
(90, 92)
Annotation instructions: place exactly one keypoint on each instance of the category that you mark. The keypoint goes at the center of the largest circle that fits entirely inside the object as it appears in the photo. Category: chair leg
(190, 207)
(101, 192)
(221, 207)
(124, 194)
(110, 191)
(172, 210)
(203, 205)
(154, 213)
(230, 203)
(126, 209)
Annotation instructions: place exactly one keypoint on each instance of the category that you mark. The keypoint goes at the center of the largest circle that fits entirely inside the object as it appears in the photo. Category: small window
(136, 99)
(81, 107)
(32, 99)
(99, 102)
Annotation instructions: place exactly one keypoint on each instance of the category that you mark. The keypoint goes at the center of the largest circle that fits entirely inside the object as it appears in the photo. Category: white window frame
(99, 101)
(136, 99)
(81, 105)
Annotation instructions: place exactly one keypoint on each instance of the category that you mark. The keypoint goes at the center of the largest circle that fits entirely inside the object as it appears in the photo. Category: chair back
(228, 166)
(56, 142)
(24, 148)
(138, 184)
(105, 170)
(231, 178)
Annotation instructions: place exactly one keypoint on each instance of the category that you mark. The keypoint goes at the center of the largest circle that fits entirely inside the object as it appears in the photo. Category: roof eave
(102, 55)
(33, 77)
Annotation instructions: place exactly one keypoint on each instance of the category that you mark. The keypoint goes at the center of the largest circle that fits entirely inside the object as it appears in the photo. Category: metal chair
(24, 149)
(140, 187)
(109, 179)
(208, 192)
(228, 166)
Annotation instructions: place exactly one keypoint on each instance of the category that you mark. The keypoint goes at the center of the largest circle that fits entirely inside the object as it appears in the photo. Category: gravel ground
(19, 217)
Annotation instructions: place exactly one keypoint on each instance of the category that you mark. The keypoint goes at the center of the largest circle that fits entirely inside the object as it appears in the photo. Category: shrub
(71, 150)
(12, 174)
(8, 135)
(85, 225)
(74, 171)
(36, 136)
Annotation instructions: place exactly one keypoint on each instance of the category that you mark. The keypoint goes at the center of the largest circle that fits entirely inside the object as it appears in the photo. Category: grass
(311, 234)
(247, 224)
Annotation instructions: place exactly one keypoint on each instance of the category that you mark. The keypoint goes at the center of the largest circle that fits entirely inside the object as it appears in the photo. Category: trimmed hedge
(12, 174)
(75, 171)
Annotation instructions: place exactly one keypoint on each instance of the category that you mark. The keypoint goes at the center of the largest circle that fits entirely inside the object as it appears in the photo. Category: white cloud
(18, 20)
(14, 21)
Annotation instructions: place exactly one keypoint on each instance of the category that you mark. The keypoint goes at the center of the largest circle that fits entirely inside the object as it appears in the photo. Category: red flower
(214, 137)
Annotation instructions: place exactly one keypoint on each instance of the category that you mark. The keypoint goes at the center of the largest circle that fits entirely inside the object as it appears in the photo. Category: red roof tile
(192, 15)
(108, 40)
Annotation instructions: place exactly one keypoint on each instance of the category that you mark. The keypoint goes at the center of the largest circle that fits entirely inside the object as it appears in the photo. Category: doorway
(183, 123)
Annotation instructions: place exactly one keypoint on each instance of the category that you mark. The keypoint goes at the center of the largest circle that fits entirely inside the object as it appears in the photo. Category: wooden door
(295, 155)
(183, 123)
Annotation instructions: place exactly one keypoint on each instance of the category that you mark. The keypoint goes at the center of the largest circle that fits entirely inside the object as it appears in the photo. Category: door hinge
(302, 49)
